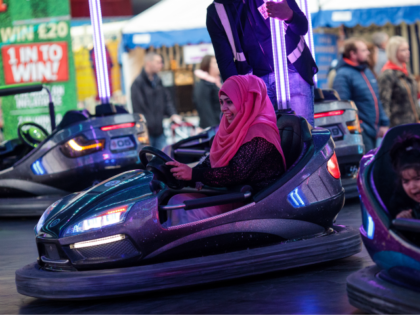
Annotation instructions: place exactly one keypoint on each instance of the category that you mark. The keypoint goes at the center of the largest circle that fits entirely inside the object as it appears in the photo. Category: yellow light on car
(73, 144)
(80, 146)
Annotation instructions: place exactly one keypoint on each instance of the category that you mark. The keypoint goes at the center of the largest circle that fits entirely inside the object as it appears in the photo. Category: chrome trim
(58, 262)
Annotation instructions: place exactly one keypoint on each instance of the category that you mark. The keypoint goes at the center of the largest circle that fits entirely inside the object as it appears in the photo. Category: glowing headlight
(100, 220)
(45, 216)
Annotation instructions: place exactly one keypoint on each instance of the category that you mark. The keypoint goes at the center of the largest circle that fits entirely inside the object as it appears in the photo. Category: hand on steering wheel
(157, 165)
(180, 171)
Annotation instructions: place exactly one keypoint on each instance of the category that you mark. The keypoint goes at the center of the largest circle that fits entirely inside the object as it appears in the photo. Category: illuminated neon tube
(99, 50)
(309, 37)
(280, 64)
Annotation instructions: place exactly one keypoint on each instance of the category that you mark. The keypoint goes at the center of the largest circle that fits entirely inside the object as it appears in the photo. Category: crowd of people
(375, 76)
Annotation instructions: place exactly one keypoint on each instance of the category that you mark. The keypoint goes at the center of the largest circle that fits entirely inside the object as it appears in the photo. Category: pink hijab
(255, 118)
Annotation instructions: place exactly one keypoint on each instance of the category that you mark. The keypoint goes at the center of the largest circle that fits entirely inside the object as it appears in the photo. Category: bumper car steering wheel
(33, 135)
(158, 167)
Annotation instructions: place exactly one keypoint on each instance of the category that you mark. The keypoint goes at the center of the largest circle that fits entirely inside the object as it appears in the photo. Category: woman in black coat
(206, 89)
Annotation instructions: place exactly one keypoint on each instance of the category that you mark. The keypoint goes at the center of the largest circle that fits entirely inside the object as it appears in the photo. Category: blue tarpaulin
(366, 16)
(166, 38)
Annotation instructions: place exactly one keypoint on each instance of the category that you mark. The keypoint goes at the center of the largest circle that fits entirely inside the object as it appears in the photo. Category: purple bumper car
(393, 284)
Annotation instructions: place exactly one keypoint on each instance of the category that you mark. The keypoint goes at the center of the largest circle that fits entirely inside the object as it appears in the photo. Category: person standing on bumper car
(241, 36)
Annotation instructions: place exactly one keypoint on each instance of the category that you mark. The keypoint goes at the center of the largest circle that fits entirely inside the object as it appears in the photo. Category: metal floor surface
(317, 289)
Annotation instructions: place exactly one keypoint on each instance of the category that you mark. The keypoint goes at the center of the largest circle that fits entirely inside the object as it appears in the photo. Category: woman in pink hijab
(245, 151)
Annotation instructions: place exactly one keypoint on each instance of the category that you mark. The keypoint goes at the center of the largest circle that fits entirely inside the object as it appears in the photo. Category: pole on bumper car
(99, 47)
(280, 63)
(309, 37)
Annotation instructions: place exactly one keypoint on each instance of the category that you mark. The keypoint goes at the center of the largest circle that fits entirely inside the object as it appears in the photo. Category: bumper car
(392, 286)
(339, 117)
(112, 240)
(38, 168)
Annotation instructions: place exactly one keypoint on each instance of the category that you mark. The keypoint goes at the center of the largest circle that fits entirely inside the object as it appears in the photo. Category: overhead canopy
(333, 13)
(167, 23)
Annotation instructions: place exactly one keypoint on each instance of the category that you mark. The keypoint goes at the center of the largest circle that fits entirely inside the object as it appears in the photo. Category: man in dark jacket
(150, 98)
(354, 81)
(241, 36)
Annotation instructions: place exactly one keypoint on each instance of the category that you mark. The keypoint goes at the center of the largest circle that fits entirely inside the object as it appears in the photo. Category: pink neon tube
(280, 63)
(99, 49)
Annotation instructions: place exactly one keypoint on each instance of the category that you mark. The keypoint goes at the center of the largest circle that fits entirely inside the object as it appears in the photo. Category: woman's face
(403, 53)
(411, 183)
(214, 69)
(228, 109)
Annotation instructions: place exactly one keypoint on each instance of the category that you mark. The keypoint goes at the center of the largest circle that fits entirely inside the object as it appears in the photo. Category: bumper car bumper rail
(33, 281)
(368, 292)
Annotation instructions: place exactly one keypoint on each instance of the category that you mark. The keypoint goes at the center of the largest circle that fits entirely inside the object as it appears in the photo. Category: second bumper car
(111, 239)
(393, 285)
(37, 168)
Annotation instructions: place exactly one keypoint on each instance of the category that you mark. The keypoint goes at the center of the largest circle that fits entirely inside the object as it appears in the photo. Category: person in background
(397, 87)
(206, 92)
(241, 36)
(373, 58)
(150, 98)
(355, 81)
(380, 39)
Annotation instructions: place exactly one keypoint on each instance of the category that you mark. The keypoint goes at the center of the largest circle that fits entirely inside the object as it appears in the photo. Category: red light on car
(329, 114)
(120, 126)
(333, 167)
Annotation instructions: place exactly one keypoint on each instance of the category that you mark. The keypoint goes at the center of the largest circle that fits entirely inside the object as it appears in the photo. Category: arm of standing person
(170, 108)
(342, 85)
(222, 48)
(289, 12)
(137, 99)
(383, 117)
(385, 84)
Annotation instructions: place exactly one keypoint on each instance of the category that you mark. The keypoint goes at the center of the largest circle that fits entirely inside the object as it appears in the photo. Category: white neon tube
(309, 37)
(99, 50)
(280, 63)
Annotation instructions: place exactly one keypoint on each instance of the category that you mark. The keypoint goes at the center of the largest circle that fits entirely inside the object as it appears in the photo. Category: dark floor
(318, 289)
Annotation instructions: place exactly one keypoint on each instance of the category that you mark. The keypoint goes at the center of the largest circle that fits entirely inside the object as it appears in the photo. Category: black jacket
(253, 37)
(206, 100)
(152, 100)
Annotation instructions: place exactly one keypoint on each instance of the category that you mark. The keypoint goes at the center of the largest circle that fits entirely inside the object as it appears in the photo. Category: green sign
(35, 46)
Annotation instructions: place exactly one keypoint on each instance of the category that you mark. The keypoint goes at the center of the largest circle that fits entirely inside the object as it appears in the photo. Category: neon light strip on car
(119, 126)
(99, 50)
(329, 114)
(99, 241)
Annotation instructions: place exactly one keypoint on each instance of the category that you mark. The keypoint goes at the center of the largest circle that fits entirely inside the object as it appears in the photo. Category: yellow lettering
(42, 31)
(6, 33)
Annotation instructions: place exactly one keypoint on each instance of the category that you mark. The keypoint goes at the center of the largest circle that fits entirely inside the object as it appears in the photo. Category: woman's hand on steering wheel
(180, 171)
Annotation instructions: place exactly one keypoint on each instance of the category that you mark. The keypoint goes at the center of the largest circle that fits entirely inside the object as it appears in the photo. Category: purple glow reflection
(99, 48)
(280, 63)
(309, 37)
